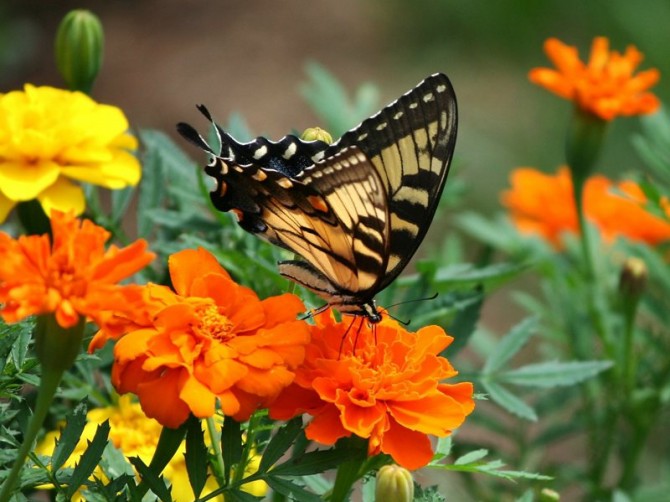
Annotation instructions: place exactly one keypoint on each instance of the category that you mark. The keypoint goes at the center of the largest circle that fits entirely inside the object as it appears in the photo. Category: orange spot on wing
(318, 203)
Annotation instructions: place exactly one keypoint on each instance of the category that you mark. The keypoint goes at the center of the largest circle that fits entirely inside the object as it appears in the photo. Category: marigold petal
(295, 400)
(122, 263)
(326, 427)
(160, 398)
(396, 441)
(190, 264)
(62, 196)
(20, 183)
(119, 169)
(200, 399)
(282, 308)
(437, 414)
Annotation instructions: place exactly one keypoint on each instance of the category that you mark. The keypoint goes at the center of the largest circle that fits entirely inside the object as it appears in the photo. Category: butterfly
(355, 210)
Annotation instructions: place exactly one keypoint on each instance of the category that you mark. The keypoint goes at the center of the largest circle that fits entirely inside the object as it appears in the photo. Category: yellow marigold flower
(136, 435)
(49, 137)
(605, 86)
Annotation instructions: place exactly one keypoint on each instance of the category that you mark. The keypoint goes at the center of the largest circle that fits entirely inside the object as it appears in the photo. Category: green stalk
(216, 446)
(50, 380)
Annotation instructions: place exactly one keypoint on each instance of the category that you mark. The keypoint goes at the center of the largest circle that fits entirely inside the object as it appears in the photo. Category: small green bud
(633, 278)
(79, 47)
(549, 495)
(394, 484)
(317, 134)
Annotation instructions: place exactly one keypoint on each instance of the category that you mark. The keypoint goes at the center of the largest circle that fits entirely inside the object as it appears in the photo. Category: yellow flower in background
(50, 137)
(136, 435)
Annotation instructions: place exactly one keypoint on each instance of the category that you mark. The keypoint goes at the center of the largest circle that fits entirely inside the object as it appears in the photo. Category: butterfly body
(355, 210)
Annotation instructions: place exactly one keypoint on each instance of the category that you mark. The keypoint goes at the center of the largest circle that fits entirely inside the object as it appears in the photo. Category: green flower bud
(549, 495)
(394, 484)
(317, 134)
(633, 278)
(79, 47)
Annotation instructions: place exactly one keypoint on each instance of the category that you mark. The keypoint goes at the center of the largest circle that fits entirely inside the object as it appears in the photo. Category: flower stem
(216, 446)
(48, 386)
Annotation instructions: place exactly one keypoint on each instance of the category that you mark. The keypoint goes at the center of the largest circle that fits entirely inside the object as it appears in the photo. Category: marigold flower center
(213, 323)
(66, 281)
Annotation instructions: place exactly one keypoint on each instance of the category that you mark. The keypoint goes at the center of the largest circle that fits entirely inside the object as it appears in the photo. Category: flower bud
(394, 484)
(549, 495)
(316, 134)
(633, 278)
(79, 47)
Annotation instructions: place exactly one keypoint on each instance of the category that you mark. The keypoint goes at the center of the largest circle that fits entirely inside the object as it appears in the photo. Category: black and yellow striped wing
(356, 210)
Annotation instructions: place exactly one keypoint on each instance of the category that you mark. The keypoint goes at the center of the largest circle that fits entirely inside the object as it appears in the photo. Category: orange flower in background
(605, 86)
(386, 389)
(211, 340)
(71, 275)
(544, 204)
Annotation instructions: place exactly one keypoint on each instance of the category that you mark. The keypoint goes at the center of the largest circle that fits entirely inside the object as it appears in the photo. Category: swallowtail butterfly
(355, 210)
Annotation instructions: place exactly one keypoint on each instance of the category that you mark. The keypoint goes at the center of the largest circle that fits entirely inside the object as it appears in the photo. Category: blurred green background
(164, 56)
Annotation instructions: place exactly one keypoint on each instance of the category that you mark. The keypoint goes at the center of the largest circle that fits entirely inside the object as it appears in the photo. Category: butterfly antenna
(406, 323)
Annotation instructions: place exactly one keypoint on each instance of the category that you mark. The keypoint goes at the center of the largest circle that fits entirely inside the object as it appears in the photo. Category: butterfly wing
(332, 212)
(355, 210)
(410, 142)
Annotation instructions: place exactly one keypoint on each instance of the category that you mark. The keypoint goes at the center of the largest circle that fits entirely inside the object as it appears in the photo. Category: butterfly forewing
(410, 143)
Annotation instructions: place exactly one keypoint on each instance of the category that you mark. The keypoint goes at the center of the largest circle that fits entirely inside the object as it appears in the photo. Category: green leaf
(231, 445)
(509, 401)
(471, 457)
(150, 478)
(330, 102)
(235, 495)
(120, 200)
(24, 336)
(312, 462)
(527, 496)
(465, 275)
(90, 459)
(280, 443)
(509, 345)
(69, 437)
(196, 456)
(554, 373)
(168, 444)
(114, 464)
(288, 488)
(464, 324)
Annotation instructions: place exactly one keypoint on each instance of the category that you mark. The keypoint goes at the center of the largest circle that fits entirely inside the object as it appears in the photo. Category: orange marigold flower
(544, 204)
(211, 340)
(71, 275)
(605, 86)
(383, 384)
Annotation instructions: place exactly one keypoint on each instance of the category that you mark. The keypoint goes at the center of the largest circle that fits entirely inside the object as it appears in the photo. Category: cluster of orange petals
(605, 86)
(544, 204)
(208, 340)
(69, 275)
(381, 383)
